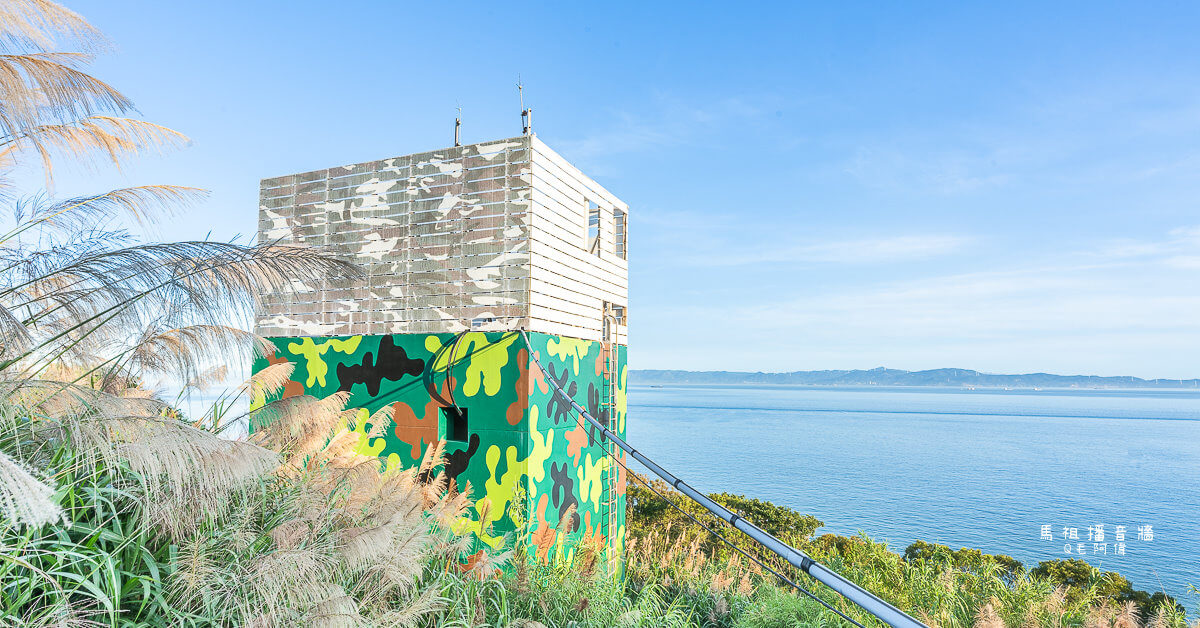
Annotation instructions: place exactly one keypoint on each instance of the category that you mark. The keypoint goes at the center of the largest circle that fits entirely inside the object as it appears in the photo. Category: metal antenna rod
(457, 124)
(526, 114)
(868, 601)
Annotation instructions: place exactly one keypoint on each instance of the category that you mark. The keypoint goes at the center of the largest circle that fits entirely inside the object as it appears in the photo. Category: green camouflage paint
(524, 451)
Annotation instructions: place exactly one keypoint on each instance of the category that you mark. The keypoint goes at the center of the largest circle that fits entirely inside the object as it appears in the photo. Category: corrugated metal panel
(448, 239)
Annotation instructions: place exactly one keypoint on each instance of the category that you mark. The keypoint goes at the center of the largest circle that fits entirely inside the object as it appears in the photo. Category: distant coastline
(881, 376)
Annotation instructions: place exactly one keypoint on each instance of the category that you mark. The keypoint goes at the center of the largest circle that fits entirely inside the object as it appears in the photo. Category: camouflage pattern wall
(490, 237)
(440, 236)
(523, 452)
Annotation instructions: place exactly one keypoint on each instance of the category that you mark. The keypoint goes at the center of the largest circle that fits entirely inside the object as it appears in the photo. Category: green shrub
(647, 512)
(1076, 575)
(964, 558)
(936, 584)
(778, 609)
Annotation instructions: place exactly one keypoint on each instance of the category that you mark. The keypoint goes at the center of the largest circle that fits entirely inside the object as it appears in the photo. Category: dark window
(454, 421)
(619, 236)
(593, 228)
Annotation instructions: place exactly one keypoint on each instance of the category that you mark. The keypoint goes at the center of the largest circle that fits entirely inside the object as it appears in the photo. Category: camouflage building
(460, 247)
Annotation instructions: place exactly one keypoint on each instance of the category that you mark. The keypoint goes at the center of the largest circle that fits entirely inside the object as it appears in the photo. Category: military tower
(459, 248)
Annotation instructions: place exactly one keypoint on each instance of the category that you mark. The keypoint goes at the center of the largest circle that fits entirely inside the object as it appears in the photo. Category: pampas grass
(25, 498)
(269, 534)
(288, 527)
(115, 509)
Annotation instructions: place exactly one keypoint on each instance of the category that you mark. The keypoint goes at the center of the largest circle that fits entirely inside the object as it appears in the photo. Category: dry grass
(292, 528)
(350, 543)
(289, 527)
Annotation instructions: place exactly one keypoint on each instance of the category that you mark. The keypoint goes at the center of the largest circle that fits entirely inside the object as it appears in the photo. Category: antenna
(526, 114)
(457, 124)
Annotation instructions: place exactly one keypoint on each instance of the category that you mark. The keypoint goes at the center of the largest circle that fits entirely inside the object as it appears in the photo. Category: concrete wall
(524, 450)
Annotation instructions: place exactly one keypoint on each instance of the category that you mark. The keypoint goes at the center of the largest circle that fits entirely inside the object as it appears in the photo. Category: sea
(1034, 474)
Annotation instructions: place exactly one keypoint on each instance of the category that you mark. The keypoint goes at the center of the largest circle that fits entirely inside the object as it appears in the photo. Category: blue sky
(1009, 188)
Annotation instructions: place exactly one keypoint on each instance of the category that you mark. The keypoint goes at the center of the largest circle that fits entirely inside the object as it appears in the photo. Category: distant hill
(895, 377)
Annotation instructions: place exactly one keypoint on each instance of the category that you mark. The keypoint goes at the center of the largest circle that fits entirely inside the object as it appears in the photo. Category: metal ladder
(609, 508)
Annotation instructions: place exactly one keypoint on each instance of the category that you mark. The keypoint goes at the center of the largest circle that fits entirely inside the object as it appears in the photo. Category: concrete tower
(460, 247)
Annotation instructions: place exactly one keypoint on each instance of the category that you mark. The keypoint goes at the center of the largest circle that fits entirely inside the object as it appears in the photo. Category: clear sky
(1010, 188)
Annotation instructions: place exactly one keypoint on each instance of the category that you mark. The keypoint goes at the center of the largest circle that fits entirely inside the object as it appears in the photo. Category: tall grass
(324, 537)
(114, 509)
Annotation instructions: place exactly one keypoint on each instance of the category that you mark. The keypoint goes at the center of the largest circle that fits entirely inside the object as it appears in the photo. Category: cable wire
(431, 385)
(603, 441)
(450, 370)
(863, 598)
(731, 544)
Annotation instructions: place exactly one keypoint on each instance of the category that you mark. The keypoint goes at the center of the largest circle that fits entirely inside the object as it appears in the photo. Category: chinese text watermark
(1095, 539)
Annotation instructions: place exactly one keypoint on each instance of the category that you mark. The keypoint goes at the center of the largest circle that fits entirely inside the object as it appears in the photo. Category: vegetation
(114, 508)
(118, 510)
(940, 586)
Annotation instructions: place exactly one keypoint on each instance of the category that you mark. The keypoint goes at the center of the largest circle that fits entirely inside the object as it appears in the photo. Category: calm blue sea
(982, 469)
